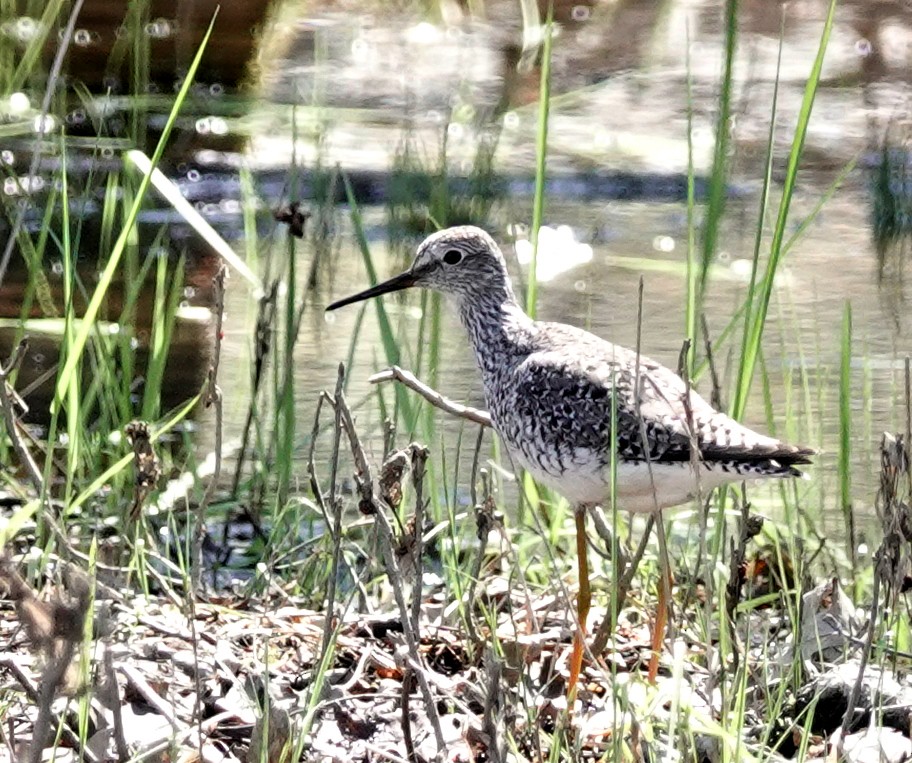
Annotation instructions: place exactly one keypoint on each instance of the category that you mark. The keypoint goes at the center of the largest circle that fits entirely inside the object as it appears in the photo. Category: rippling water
(617, 154)
(379, 92)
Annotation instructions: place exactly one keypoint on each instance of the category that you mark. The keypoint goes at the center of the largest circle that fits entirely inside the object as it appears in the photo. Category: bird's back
(553, 404)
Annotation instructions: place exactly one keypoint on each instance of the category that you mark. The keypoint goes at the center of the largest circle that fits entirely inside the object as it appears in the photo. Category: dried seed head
(391, 474)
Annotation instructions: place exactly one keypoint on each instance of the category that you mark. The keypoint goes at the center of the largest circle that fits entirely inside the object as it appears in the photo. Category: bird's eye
(452, 256)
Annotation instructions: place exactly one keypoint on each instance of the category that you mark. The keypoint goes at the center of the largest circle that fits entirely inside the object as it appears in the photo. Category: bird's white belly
(640, 487)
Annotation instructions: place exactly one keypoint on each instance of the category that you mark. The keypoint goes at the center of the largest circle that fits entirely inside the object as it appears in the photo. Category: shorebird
(553, 390)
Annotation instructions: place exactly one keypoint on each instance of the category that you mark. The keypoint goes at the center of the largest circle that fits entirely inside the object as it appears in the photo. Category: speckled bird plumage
(550, 388)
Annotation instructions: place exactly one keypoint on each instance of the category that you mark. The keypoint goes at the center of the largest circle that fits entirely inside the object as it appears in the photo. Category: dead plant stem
(407, 378)
(419, 463)
(335, 506)
(8, 404)
(374, 506)
(213, 398)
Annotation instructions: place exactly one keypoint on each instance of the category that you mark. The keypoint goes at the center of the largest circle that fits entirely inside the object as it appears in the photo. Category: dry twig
(214, 398)
(748, 528)
(109, 694)
(419, 461)
(394, 373)
(890, 560)
(262, 345)
(8, 405)
(335, 505)
(55, 631)
(630, 565)
(371, 505)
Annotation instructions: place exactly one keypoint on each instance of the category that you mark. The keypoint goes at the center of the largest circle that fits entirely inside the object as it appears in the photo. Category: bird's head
(458, 261)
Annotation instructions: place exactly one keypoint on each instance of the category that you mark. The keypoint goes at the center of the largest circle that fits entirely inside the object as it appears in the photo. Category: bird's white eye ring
(452, 256)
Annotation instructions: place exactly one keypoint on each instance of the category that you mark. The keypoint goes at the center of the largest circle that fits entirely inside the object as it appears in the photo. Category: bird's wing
(588, 373)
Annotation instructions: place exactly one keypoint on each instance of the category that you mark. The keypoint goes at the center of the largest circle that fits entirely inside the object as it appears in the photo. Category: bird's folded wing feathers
(667, 418)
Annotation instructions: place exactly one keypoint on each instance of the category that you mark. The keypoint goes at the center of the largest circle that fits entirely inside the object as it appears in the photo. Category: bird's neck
(497, 326)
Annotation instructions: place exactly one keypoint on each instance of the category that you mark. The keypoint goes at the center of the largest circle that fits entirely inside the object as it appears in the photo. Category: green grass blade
(194, 219)
(758, 320)
(168, 293)
(31, 58)
(719, 178)
(844, 173)
(77, 347)
(9, 528)
(844, 461)
(690, 308)
(387, 335)
(286, 421)
(541, 155)
(125, 461)
(746, 356)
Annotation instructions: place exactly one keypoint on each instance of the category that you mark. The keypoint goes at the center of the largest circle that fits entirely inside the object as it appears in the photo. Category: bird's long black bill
(396, 283)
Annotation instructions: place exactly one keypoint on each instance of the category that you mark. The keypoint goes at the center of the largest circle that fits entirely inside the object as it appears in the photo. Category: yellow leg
(661, 620)
(583, 601)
